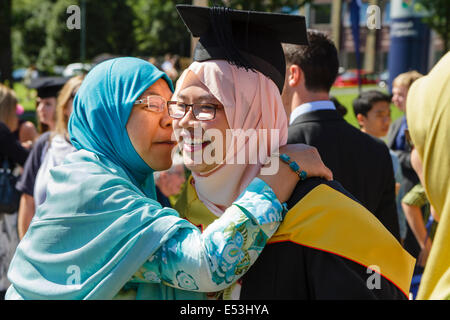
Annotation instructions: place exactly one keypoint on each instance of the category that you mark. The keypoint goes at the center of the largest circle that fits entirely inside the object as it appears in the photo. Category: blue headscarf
(99, 223)
(101, 110)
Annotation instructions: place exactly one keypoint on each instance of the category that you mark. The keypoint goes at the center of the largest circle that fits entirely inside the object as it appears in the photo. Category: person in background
(47, 91)
(396, 135)
(170, 182)
(373, 113)
(30, 74)
(353, 156)
(428, 118)
(49, 150)
(169, 66)
(421, 217)
(12, 154)
(26, 131)
(396, 141)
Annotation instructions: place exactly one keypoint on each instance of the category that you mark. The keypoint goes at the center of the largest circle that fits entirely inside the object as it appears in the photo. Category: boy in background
(373, 113)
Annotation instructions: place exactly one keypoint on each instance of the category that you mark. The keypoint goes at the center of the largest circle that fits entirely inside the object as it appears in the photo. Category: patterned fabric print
(224, 252)
(148, 273)
(242, 243)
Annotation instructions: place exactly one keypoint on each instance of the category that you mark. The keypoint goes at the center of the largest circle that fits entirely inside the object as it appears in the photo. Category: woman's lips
(165, 143)
(195, 147)
(191, 142)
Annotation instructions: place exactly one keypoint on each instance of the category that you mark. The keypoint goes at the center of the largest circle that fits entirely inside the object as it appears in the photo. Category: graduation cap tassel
(222, 28)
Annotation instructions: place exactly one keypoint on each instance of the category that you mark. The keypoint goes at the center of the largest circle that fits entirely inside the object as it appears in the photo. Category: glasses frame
(190, 106)
(142, 101)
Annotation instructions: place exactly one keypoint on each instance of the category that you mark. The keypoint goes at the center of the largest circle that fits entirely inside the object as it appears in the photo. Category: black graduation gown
(286, 270)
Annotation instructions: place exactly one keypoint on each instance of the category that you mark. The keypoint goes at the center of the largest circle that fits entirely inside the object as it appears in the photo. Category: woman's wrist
(294, 166)
(257, 198)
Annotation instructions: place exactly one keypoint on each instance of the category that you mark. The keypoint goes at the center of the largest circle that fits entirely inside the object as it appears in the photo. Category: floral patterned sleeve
(213, 260)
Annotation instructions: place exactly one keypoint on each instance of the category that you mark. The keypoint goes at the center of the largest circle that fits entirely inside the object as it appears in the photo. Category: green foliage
(125, 27)
(28, 30)
(158, 29)
(437, 17)
(61, 44)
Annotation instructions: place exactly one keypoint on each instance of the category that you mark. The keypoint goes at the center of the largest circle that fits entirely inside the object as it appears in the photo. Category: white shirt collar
(311, 106)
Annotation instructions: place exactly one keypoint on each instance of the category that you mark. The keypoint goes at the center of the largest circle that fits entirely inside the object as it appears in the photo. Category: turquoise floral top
(212, 260)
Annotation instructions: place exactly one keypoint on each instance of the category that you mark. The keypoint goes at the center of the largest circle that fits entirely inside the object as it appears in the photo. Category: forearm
(26, 214)
(415, 220)
(214, 259)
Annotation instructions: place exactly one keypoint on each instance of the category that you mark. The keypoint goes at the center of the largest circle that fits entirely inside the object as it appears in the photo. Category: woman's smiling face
(151, 132)
(198, 139)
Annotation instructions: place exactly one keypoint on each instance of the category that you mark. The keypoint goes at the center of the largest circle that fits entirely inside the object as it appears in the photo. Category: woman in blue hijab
(101, 234)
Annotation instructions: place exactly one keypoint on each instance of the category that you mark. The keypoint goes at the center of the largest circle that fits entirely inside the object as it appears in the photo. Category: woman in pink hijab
(248, 119)
(228, 119)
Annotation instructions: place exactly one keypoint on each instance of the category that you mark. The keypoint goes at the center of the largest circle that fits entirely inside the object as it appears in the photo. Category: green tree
(437, 18)
(108, 29)
(158, 29)
(29, 30)
(41, 36)
(126, 27)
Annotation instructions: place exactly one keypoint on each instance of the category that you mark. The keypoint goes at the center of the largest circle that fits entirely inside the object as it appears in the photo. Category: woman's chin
(160, 163)
(198, 167)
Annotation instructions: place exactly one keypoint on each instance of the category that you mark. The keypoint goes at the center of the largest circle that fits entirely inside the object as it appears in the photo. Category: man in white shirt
(361, 163)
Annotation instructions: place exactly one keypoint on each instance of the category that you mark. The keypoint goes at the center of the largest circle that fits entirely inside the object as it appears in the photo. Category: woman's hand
(284, 180)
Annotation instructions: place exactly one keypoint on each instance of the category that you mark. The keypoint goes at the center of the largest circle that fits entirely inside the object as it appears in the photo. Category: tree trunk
(5, 42)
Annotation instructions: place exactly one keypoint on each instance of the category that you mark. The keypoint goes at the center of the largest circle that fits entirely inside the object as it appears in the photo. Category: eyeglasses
(201, 111)
(154, 103)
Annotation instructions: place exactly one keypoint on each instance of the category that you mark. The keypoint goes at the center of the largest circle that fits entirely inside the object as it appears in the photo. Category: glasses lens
(176, 109)
(156, 103)
(204, 111)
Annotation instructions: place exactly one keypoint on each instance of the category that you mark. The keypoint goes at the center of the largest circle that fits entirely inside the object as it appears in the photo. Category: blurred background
(376, 39)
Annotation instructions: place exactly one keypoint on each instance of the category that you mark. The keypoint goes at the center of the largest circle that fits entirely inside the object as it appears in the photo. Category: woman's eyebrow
(151, 93)
(202, 97)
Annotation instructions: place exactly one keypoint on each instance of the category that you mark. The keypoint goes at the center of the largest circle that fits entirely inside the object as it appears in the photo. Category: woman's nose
(188, 120)
(166, 120)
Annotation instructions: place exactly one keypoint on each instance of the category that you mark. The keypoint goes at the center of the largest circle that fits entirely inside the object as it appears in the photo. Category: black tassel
(223, 31)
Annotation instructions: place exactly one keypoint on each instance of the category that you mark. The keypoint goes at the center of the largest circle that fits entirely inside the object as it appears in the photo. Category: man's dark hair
(365, 101)
(319, 60)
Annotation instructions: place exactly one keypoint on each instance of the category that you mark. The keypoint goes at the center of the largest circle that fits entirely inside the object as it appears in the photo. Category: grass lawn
(346, 96)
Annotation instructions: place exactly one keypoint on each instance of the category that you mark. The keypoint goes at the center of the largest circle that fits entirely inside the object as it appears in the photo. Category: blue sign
(410, 41)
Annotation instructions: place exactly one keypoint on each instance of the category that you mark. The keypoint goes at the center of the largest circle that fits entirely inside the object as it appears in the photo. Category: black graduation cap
(48, 86)
(247, 39)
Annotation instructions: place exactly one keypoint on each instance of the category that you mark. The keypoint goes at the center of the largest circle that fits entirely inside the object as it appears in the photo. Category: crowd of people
(139, 186)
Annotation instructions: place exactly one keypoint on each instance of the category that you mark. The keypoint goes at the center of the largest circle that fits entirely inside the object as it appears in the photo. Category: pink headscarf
(251, 101)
